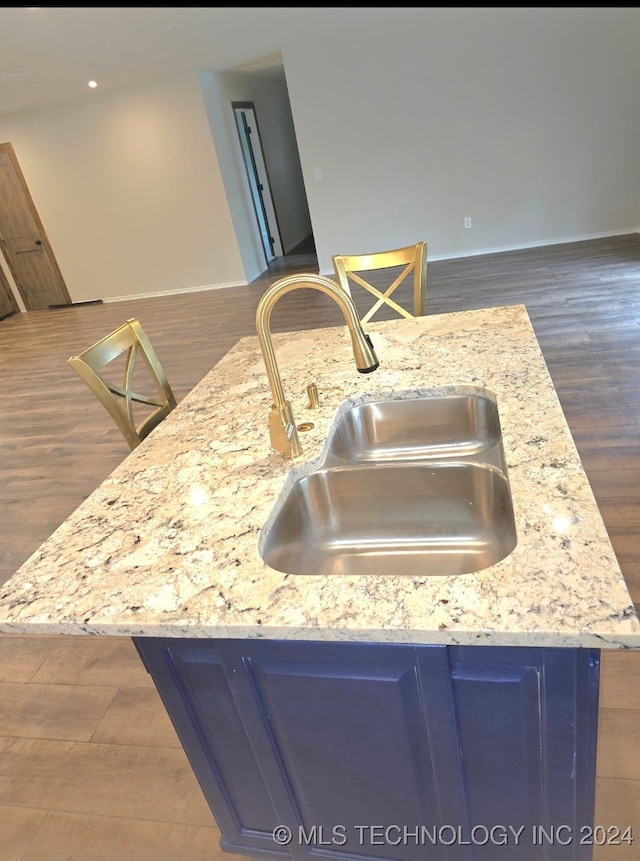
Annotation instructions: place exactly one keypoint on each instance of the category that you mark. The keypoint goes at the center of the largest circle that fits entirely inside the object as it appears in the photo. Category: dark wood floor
(90, 767)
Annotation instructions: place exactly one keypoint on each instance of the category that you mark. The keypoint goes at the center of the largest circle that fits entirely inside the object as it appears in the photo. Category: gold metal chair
(414, 260)
(92, 365)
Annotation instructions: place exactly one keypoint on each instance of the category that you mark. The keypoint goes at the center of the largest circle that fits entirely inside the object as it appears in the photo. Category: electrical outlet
(317, 174)
(468, 223)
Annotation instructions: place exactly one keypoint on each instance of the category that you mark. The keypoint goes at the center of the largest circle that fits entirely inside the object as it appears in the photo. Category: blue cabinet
(387, 751)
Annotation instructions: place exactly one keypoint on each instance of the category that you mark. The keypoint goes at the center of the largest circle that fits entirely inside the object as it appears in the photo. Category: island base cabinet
(398, 752)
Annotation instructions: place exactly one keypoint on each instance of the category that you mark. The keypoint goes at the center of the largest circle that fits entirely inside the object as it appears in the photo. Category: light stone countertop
(168, 544)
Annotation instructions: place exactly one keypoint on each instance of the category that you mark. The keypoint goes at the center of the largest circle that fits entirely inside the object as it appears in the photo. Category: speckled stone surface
(168, 544)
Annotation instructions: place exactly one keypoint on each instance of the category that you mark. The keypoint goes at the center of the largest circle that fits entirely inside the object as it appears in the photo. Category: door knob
(38, 241)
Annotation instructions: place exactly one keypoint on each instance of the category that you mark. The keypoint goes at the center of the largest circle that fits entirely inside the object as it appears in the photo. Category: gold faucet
(282, 427)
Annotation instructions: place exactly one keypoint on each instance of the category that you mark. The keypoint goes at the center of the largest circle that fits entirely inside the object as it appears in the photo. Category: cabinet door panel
(194, 688)
(500, 733)
(527, 731)
(570, 719)
(350, 731)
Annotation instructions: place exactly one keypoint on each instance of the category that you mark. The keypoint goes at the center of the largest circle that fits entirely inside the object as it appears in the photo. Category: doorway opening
(254, 161)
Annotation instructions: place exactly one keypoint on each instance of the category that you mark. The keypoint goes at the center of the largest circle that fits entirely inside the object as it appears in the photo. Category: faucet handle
(314, 400)
(283, 431)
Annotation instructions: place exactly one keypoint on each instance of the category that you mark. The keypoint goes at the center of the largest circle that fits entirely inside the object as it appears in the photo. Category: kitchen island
(336, 701)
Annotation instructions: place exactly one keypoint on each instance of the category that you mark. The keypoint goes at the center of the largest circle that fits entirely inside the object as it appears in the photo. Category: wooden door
(8, 304)
(24, 242)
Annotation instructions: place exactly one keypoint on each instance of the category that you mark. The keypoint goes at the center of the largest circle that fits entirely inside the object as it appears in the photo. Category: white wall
(217, 96)
(526, 120)
(128, 188)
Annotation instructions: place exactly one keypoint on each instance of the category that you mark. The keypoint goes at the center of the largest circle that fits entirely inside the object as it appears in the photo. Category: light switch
(317, 174)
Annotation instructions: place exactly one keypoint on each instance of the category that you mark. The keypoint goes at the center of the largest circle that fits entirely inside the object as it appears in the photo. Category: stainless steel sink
(427, 520)
(408, 487)
(435, 427)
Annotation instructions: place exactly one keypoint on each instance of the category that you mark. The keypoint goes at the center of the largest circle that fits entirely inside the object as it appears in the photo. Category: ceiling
(48, 55)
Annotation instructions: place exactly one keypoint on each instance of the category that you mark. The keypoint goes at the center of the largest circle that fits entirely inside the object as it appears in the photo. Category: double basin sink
(414, 486)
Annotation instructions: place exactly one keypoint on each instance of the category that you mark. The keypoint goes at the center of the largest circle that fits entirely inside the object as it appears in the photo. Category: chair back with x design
(97, 364)
(400, 263)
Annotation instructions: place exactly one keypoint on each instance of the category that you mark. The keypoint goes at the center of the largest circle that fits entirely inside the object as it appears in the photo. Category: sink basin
(419, 519)
(434, 427)
(414, 486)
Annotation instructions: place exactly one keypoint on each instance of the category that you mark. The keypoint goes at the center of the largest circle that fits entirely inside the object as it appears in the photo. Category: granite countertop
(168, 544)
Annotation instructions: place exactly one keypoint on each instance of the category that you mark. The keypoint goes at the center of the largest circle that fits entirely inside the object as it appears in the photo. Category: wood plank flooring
(90, 767)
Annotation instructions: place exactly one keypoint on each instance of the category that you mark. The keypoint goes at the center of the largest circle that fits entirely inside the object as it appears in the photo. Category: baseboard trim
(175, 292)
(76, 304)
(330, 273)
(520, 247)
(542, 244)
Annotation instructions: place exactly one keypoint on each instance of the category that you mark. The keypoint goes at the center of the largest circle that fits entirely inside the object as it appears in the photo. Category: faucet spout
(282, 427)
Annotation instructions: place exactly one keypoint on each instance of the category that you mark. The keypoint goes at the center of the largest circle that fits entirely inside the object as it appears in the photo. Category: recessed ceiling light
(93, 84)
